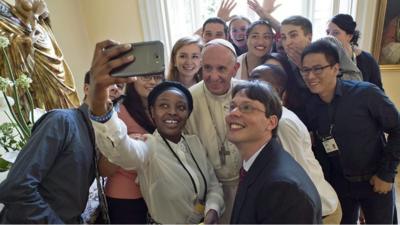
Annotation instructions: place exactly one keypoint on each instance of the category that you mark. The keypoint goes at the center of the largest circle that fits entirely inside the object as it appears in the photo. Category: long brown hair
(173, 73)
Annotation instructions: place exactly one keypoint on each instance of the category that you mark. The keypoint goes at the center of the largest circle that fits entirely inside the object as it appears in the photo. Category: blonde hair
(173, 73)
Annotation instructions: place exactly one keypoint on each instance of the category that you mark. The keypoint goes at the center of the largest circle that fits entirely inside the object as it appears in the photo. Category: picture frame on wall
(386, 49)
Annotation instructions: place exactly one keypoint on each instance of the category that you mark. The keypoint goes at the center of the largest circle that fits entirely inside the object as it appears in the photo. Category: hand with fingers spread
(225, 9)
(269, 6)
(100, 79)
(263, 11)
(380, 186)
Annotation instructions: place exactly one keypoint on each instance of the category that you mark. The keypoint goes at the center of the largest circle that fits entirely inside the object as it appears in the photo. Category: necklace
(222, 151)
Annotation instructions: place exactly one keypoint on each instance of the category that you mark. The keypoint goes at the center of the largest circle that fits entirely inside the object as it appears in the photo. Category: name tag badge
(330, 144)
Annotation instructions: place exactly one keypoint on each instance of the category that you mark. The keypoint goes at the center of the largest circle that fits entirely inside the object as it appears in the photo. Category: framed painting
(386, 49)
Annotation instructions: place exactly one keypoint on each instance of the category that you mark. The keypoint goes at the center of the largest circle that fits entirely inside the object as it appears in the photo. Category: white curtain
(155, 23)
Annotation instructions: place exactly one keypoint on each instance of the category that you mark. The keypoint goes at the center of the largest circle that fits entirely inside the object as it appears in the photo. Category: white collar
(247, 164)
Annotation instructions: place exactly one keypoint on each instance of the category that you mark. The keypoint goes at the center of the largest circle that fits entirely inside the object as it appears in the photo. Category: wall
(72, 36)
(79, 24)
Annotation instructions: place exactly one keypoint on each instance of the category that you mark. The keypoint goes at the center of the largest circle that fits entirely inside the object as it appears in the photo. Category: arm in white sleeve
(214, 199)
(115, 144)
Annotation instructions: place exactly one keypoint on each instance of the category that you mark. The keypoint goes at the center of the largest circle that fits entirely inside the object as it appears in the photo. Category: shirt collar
(247, 164)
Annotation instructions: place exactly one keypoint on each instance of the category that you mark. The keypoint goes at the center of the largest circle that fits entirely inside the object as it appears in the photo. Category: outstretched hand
(100, 79)
(265, 10)
(225, 9)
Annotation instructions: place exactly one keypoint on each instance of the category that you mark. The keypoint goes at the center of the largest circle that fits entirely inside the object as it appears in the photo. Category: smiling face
(238, 32)
(322, 80)
(187, 60)
(170, 112)
(259, 41)
(252, 128)
(213, 31)
(293, 37)
(219, 66)
(145, 84)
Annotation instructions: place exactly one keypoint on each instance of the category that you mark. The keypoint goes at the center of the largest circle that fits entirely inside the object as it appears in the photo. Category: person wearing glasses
(348, 120)
(176, 179)
(295, 139)
(259, 36)
(296, 35)
(273, 188)
(124, 199)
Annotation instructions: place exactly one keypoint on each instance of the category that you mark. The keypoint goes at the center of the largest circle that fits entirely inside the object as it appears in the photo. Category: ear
(86, 89)
(235, 69)
(309, 37)
(272, 122)
(336, 68)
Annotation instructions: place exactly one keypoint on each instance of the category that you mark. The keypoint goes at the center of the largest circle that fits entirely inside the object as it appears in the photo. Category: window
(183, 17)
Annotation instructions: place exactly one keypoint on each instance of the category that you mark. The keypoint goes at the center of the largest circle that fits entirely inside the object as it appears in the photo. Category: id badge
(330, 144)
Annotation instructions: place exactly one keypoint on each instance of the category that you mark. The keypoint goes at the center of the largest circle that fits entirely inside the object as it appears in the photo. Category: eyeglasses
(156, 78)
(244, 108)
(316, 70)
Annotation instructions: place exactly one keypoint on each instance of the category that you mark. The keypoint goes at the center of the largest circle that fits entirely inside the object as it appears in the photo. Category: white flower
(10, 156)
(4, 83)
(3, 103)
(23, 81)
(4, 42)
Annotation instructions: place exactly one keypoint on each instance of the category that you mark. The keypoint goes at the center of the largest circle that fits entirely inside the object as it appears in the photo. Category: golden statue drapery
(34, 51)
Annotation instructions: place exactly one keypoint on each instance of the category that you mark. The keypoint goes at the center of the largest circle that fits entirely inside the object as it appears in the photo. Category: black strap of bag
(100, 187)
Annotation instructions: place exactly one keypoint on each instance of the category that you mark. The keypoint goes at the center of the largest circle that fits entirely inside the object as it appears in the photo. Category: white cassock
(207, 121)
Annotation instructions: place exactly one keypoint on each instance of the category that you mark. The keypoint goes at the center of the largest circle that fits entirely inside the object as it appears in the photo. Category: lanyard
(331, 119)
(187, 171)
(219, 137)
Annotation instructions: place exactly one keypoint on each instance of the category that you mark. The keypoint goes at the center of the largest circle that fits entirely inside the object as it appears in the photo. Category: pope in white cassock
(211, 99)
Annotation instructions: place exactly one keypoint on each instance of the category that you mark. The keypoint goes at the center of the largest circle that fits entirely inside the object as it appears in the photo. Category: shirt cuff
(212, 206)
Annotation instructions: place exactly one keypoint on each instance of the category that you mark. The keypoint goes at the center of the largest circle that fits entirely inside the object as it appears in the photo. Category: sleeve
(215, 199)
(376, 74)
(291, 139)
(387, 117)
(287, 204)
(375, 71)
(115, 144)
(20, 191)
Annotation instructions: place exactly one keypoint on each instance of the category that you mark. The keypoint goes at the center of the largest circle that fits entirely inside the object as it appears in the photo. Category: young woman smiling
(184, 65)
(259, 43)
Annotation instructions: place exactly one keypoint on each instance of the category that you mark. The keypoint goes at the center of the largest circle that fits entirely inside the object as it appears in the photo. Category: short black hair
(270, 72)
(300, 21)
(216, 20)
(323, 47)
(264, 93)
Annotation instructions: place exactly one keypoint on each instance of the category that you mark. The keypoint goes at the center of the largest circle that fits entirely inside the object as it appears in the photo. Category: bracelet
(103, 118)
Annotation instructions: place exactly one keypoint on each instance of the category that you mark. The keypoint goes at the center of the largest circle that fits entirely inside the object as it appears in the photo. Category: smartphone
(149, 59)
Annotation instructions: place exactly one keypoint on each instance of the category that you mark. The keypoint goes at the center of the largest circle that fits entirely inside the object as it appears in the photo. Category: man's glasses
(244, 108)
(316, 70)
(156, 78)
